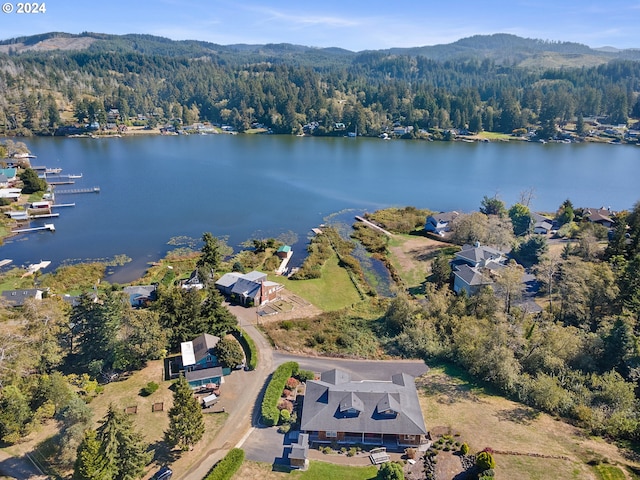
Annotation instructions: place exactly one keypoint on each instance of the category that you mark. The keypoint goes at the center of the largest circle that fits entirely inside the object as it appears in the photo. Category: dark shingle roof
(203, 374)
(324, 402)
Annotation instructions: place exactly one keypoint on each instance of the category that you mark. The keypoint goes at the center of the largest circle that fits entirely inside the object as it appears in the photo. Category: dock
(4, 262)
(61, 182)
(58, 205)
(373, 225)
(47, 226)
(45, 215)
(78, 190)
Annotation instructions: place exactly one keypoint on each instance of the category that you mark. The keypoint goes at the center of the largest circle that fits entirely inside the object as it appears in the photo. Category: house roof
(284, 248)
(228, 279)
(137, 292)
(470, 276)
(444, 217)
(16, 298)
(477, 253)
(254, 276)
(325, 401)
(195, 350)
(598, 215)
(246, 288)
(203, 374)
(300, 449)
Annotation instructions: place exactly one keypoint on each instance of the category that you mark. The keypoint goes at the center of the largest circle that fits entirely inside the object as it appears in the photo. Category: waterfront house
(284, 251)
(200, 362)
(473, 265)
(440, 223)
(17, 298)
(601, 216)
(542, 225)
(141, 295)
(339, 410)
(249, 289)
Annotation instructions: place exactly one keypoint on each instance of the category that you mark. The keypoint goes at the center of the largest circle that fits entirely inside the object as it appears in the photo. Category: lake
(155, 188)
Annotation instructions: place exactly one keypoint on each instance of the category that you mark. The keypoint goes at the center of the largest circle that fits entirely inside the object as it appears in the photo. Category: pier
(58, 205)
(373, 225)
(78, 190)
(47, 226)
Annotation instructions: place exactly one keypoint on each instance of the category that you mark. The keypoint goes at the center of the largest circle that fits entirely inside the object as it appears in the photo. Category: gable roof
(228, 279)
(17, 298)
(478, 253)
(470, 276)
(444, 217)
(246, 288)
(330, 406)
(195, 350)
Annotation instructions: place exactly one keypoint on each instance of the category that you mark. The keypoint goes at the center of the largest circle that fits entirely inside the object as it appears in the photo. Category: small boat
(75, 176)
(53, 170)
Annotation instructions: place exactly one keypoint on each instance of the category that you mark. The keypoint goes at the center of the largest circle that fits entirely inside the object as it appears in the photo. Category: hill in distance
(500, 47)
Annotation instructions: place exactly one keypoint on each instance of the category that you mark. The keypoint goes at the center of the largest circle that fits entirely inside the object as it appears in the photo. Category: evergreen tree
(123, 449)
(520, 218)
(210, 257)
(186, 424)
(492, 206)
(90, 464)
(219, 320)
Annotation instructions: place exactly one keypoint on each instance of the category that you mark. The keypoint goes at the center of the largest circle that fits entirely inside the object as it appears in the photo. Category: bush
(227, 467)
(464, 449)
(305, 375)
(285, 415)
(352, 452)
(410, 453)
(149, 389)
(485, 461)
(249, 348)
(269, 408)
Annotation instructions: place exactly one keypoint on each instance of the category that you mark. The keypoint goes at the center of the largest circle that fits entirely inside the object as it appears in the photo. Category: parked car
(165, 473)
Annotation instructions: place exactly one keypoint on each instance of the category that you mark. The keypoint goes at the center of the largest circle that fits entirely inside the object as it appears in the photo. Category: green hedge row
(249, 347)
(270, 412)
(227, 467)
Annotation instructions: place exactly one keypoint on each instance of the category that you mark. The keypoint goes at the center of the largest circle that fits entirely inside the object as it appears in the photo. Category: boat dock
(47, 226)
(373, 225)
(45, 215)
(57, 205)
(4, 262)
(78, 190)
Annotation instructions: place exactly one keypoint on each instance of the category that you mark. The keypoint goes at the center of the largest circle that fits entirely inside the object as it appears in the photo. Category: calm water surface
(244, 186)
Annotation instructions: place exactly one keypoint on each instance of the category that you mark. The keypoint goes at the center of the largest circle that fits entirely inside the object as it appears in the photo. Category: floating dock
(4, 262)
(78, 190)
(47, 226)
(58, 205)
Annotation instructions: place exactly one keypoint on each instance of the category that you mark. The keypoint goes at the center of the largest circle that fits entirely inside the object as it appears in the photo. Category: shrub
(249, 348)
(149, 389)
(284, 404)
(292, 383)
(285, 415)
(485, 461)
(269, 407)
(464, 449)
(305, 375)
(286, 325)
(410, 453)
(227, 467)
(352, 452)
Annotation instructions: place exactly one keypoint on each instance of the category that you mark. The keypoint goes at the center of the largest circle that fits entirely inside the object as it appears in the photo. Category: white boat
(75, 176)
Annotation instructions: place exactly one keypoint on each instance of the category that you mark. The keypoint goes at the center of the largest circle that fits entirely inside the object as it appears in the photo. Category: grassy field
(347, 332)
(411, 255)
(453, 405)
(333, 291)
(153, 424)
(317, 471)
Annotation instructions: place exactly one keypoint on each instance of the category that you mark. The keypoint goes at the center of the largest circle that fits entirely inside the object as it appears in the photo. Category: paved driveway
(359, 369)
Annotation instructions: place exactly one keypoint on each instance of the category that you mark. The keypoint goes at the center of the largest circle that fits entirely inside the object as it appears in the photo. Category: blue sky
(354, 25)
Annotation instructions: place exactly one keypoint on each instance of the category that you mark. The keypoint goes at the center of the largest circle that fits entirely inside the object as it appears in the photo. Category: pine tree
(89, 462)
(123, 449)
(186, 423)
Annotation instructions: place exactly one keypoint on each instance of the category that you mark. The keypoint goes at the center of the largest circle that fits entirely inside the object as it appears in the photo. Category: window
(331, 434)
(409, 437)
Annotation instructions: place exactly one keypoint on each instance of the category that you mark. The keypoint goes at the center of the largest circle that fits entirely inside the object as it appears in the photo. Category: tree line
(372, 90)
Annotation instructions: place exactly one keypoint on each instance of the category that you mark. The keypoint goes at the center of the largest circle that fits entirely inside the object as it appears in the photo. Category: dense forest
(284, 87)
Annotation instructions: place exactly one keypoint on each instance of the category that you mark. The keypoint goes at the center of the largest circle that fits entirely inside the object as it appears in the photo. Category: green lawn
(330, 292)
(317, 471)
(323, 471)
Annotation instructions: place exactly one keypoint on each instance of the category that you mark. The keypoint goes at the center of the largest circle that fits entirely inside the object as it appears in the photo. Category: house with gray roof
(200, 362)
(17, 298)
(473, 265)
(337, 409)
(440, 223)
(248, 289)
(141, 295)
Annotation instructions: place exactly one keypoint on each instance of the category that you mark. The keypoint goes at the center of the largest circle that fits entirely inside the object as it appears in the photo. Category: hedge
(269, 410)
(249, 347)
(227, 467)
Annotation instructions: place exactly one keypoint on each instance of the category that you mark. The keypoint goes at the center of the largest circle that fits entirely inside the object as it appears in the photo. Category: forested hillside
(481, 83)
